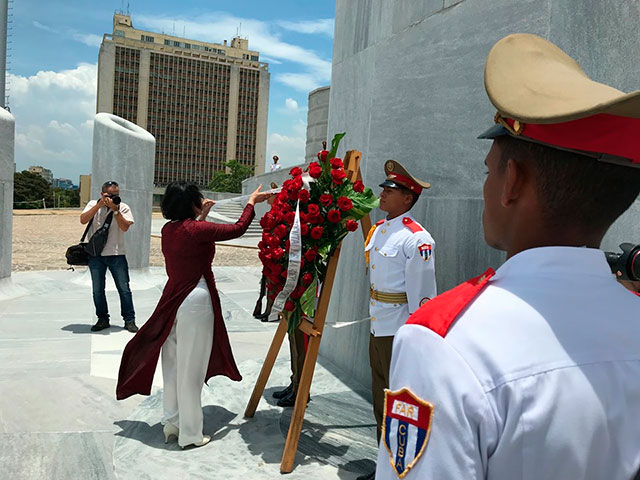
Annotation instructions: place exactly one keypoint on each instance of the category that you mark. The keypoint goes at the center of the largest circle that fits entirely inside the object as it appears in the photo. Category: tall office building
(205, 103)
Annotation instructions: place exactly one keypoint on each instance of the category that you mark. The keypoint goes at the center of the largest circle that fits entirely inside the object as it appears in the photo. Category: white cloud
(41, 26)
(54, 114)
(269, 60)
(88, 39)
(291, 104)
(303, 82)
(263, 37)
(323, 26)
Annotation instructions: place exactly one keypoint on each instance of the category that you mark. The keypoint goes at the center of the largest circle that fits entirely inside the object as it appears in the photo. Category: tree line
(29, 189)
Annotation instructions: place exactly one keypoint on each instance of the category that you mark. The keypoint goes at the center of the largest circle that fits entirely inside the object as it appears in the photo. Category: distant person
(275, 166)
(113, 255)
(187, 323)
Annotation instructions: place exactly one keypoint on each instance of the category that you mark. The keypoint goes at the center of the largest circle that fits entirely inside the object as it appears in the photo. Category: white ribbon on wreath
(293, 270)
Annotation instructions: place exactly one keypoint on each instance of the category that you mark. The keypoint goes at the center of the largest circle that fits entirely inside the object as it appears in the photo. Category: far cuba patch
(405, 428)
(425, 251)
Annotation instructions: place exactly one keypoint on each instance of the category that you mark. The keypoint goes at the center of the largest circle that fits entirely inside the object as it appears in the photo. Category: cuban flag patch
(405, 428)
(425, 251)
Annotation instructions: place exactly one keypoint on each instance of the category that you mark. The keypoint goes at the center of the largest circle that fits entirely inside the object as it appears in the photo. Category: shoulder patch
(439, 313)
(415, 227)
(405, 428)
(425, 251)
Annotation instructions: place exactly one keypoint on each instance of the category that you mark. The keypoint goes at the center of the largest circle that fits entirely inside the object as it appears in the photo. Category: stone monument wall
(317, 117)
(125, 153)
(7, 135)
(407, 84)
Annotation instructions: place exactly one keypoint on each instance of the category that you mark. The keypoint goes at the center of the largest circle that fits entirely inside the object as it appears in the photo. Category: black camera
(625, 265)
(115, 198)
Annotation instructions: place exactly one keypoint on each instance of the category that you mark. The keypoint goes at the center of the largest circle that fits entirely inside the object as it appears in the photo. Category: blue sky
(54, 54)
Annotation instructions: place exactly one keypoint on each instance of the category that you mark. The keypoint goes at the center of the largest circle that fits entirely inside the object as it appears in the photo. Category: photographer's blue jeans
(119, 268)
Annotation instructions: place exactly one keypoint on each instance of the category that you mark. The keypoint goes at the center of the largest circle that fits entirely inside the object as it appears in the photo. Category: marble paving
(59, 418)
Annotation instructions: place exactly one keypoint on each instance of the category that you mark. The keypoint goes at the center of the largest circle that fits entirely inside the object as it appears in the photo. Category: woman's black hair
(179, 200)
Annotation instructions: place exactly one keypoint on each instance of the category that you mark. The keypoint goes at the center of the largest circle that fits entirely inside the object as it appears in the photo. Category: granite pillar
(407, 84)
(125, 153)
(7, 168)
(317, 117)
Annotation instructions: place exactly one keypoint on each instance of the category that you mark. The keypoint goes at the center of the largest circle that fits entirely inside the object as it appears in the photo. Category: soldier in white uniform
(533, 371)
(398, 249)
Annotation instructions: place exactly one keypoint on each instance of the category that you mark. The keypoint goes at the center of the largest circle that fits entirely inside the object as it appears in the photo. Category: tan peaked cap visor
(530, 79)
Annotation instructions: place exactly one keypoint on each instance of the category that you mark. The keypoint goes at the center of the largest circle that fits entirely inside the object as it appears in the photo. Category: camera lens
(116, 199)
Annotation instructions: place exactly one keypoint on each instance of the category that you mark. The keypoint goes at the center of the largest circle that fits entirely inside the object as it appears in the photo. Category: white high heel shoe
(170, 430)
(205, 439)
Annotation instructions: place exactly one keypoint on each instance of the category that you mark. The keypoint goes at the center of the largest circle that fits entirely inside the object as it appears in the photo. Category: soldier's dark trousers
(380, 361)
(296, 348)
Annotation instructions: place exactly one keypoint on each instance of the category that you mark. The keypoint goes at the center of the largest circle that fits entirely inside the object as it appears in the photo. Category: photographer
(112, 256)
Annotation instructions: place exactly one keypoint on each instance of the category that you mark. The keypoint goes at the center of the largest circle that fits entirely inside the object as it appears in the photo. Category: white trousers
(185, 357)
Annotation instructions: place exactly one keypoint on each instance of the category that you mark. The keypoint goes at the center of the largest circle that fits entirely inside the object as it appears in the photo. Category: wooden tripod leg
(267, 366)
(297, 417)
(310, 359)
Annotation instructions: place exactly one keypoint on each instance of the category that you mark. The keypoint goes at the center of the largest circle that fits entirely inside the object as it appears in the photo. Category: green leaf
(363, 203)
(308, 300)
(335, 143)
(324, 250)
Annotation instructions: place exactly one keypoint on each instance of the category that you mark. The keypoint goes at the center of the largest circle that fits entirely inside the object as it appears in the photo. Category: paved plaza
(60, 420)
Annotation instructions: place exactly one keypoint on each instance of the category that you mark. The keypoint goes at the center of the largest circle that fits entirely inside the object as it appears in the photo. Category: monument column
(125, 153)
(7, 169)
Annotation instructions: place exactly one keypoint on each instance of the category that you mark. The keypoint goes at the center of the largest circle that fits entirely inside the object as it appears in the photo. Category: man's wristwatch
(116, 212)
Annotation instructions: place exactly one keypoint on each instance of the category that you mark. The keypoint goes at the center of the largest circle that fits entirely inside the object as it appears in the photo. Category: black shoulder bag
(79, 254)
(76, 254)
(99, 238)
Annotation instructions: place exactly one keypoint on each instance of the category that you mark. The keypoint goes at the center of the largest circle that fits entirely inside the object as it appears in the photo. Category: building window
(119, 33)
(254, 58)
(167, 42)
(222, 52)
(196, 47)
(146, 38)
(187, 45)
(176, 44)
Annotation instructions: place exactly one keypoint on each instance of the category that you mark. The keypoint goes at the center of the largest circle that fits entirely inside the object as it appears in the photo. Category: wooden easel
(313, 330)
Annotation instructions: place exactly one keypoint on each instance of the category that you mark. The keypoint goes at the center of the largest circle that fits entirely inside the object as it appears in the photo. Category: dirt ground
(41, 238)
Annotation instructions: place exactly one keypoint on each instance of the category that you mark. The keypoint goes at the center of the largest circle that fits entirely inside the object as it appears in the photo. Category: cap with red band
(542, 95)
(398, 176)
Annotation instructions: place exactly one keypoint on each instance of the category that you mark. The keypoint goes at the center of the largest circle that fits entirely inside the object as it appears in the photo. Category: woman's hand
(207, 205)
(258, 196)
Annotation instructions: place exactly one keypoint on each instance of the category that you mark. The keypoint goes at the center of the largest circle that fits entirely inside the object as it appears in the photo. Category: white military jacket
(401, 259)
(538, 378)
